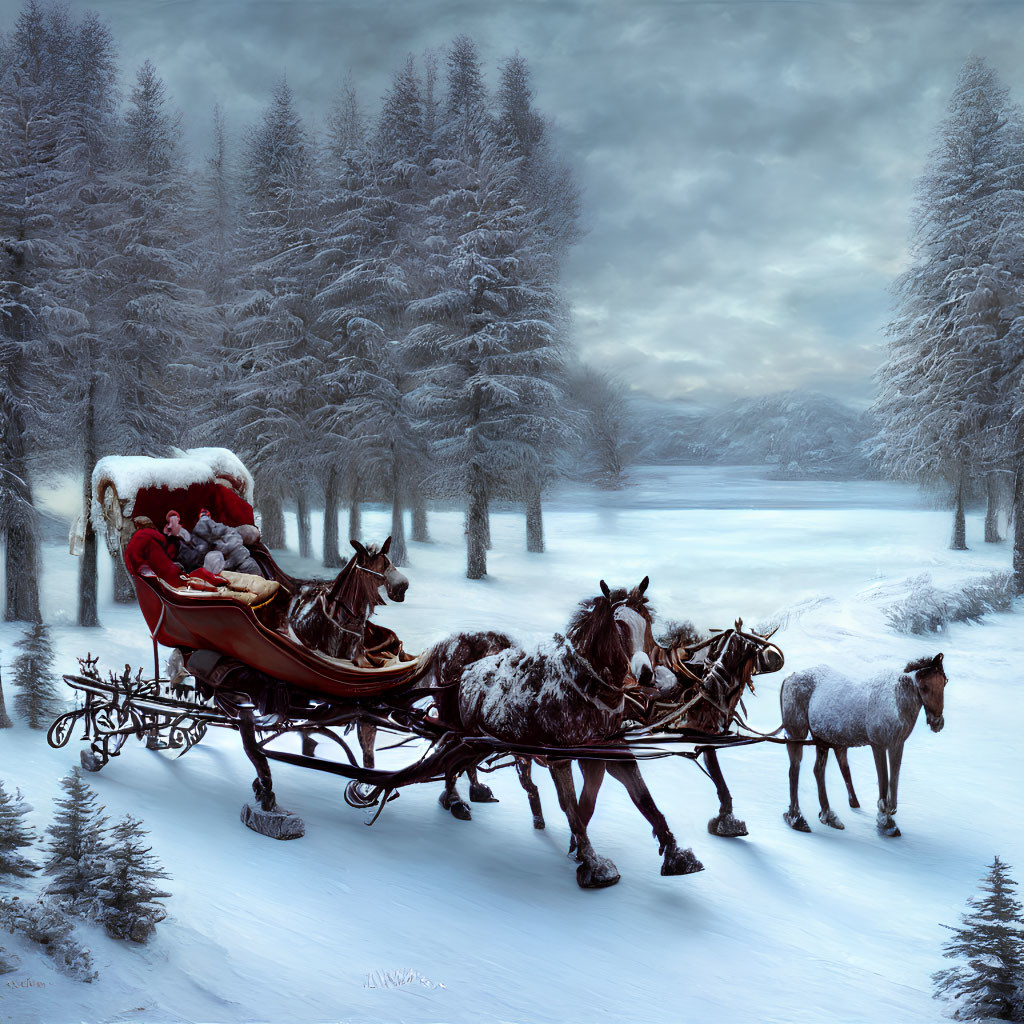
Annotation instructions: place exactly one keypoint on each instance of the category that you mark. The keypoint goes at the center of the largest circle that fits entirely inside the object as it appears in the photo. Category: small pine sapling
(76, 852)
(44, 922)
(989, 945)
(130, 906)
(36, 700)
(14, 834)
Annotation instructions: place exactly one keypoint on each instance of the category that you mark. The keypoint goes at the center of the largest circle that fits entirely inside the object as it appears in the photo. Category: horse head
(610, 636)
(735, 656)
(930, 680)
(376, 563)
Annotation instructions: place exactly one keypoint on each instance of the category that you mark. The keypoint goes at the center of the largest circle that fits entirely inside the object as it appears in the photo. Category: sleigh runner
(307, 664)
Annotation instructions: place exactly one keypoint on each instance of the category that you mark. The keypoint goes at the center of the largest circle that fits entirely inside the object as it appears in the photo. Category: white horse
(840, 712)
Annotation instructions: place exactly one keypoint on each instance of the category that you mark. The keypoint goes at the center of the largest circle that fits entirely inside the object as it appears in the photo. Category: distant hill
(802, 434)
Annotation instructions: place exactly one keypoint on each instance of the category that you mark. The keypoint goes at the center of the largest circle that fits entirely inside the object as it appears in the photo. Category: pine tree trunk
(398, 553)
(87, 578)
(271, 521)
(355, 514)
(5, 719)
(305, 529)
(22, 533)
(534, 518)
(124, 591)
(992, 511)
(1018, 531)
(476, 527)
(420, 533)
(959, 539)
(332, 556)
(487, 519)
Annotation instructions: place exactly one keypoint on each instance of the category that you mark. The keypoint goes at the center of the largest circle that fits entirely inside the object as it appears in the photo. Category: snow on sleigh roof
(131, 473)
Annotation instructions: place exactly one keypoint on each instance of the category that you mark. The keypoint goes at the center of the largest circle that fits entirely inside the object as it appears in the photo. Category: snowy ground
(833, 926)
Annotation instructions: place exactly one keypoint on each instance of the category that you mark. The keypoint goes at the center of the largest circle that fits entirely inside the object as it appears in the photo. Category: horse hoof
(598, 873)
(481, 794)
(796, 821)
(538, 822)
(890, 829)
(727, 825)
(680, 862)
(831, 819)
(854, 802)
(458, 807)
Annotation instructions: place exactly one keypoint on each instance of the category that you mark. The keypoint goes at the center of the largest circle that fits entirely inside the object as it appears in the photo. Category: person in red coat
(149, 547)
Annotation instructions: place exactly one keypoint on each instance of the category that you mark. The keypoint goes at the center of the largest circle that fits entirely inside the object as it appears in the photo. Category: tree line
(372, 311)
(950, 395)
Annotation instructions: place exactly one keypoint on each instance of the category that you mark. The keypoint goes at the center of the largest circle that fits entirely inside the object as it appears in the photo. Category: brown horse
(568, 692)
(331, 616)
(709, 685)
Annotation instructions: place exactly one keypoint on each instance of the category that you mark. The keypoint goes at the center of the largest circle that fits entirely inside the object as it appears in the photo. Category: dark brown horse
(568, 692)
(701, 684)
(330, 616)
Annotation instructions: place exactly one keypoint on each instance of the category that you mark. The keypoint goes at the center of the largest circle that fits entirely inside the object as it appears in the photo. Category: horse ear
(644, 584)
(384, 547)
(604, 590)
(360, 550)
(937, 660)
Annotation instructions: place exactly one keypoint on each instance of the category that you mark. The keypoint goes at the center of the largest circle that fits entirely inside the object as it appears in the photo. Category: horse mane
(920, 663)
(680, 634)
(595, 635)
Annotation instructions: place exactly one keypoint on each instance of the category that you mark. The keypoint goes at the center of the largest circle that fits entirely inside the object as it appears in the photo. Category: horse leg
(593, 774)
(262, 785)
(726, 823)
(308, 745)
(895, 760)
(826, 815)
(676, 862)
(844, 767)
(524, 766)
(883, 819)
(595, 871)
(367, 733)
(793, 817)
(478, 792)
(450, 799)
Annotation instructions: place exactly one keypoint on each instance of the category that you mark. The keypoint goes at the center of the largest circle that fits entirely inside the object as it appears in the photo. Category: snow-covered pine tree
(989, 945)
(76, 850)
(34, 187)
(277, 399)
(15, 834)
(482, 362)
(36, 699)
(938, 396)
(365, 298)
(129, 904)
(536, 319)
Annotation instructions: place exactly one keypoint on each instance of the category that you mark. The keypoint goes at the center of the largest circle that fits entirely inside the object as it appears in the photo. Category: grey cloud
(748, 168)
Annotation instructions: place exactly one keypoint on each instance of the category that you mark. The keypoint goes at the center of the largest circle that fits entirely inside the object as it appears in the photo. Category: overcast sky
(747, 167)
